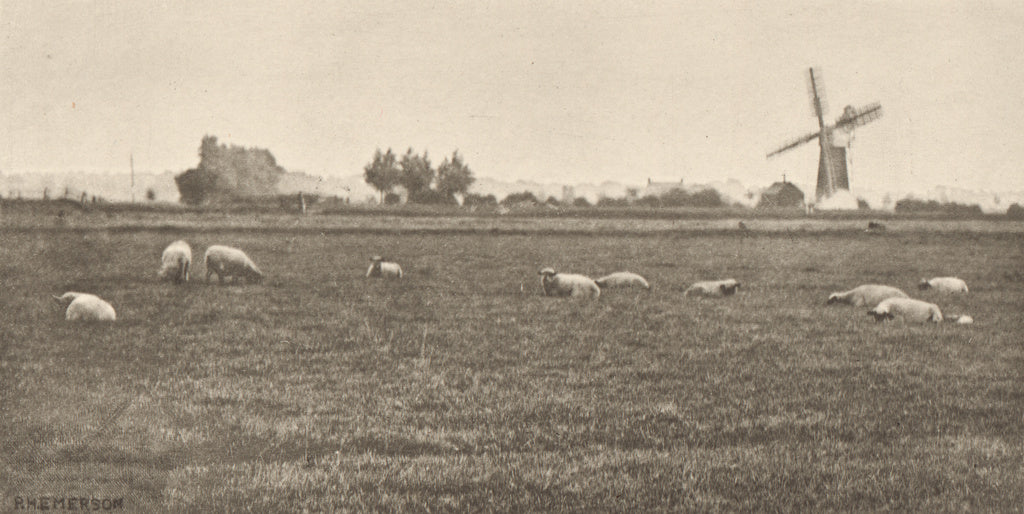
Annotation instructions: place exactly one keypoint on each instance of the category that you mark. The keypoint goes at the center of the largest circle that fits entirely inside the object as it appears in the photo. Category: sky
(562, 91)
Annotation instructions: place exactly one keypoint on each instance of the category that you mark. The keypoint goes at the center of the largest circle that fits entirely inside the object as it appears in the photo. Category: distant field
(38, 215)
(461, 388)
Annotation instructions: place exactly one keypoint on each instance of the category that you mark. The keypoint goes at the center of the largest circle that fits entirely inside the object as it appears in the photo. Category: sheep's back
(917, 311)
(622, 279)
(871, 295)
(948, 284)
(90, 307)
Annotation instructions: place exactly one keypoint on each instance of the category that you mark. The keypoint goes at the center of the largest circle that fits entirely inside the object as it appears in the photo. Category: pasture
(461, 388)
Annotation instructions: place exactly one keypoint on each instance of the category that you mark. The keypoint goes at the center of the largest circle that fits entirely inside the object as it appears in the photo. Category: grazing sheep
(866, 295)
(226, 261)
(944, 284)
(381, 268)
(875, 226)
(713, 288)
(85, 307)
(622, 279)
(742, 226)
(567, 284)
(911, 310)
(175, 262)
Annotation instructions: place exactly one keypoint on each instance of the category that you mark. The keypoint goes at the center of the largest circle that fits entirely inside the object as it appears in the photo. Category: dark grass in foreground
(460, 388)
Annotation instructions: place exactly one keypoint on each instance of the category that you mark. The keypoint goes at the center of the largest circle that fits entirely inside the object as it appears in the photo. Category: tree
(472, 199)
(1015, 212)
(229, 173)
(454, 177)
(195, 186)
(383, 173)
(417, 174)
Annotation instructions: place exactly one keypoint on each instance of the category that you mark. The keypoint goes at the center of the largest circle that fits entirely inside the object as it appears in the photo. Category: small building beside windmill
(781, 195)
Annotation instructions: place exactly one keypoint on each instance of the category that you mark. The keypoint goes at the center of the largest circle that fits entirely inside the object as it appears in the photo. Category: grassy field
(461, 388)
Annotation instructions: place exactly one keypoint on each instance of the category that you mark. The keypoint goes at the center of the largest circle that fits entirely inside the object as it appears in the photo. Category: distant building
(568, 194)
(782, 194)
(655, 188)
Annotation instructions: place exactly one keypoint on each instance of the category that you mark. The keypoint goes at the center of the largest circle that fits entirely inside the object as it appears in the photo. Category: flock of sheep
(885, 302)
(175, 264)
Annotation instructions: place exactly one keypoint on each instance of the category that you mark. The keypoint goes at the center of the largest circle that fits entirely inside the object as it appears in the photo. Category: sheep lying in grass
(866, 295)
(960, 319)
(380, 268)
(568, 284)
(175, 262)
(226, 261)
(85, 307)
(713, 288)
(912, 311)
(944, 284)
(622, 279)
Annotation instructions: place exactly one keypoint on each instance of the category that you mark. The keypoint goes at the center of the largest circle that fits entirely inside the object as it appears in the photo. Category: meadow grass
(460, 387)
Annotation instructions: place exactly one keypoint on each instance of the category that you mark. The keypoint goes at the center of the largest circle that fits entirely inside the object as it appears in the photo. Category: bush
(911, 205)
(703, 198)
(516, 198)
(1015, 212)
(605, 201)
(472, 199)
(581, 202)
(649, 201)
(432, 197)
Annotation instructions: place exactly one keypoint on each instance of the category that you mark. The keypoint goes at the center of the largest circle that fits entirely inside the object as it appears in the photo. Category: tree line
(416, 174)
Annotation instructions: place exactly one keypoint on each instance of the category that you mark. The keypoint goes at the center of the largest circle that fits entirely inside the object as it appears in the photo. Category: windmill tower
(832, 171)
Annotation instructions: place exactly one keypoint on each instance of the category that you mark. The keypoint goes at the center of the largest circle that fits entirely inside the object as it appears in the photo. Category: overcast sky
(561, 91)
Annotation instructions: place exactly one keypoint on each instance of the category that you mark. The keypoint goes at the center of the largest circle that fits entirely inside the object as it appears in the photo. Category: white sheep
(175, 262)
(380, 268)
(85, 307)
(911, 310)
(622, 279)
(866, 295)
(944, 284)
(713, 288)
(960, 319)
(226, 261)
(568, 284)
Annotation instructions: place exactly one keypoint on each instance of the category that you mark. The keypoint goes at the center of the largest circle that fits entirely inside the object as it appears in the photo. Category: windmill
(832, 171)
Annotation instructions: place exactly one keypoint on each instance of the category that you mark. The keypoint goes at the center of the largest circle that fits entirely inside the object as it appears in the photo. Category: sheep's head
(729, 288)
(881, 315)
(166, 273)
(832, 298)
(924, 284)
(65, 299)
(255, 275)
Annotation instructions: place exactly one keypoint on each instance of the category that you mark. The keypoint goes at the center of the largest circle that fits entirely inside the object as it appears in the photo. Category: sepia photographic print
(520, 256)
